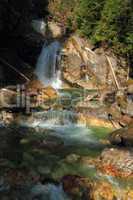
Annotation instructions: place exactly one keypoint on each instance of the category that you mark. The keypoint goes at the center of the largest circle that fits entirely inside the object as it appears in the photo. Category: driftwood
(88, 49)
(113, 73)
(16, 70)
(79, 50)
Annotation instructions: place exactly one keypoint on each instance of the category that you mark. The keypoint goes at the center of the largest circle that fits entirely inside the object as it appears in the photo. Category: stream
(56, 144)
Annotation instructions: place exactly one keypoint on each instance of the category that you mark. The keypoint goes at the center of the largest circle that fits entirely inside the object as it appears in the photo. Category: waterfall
(47, 65)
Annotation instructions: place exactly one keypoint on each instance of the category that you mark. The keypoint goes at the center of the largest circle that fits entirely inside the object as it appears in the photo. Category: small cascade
(51, 119)
(63, 125)
(57, 117)
(47, 69)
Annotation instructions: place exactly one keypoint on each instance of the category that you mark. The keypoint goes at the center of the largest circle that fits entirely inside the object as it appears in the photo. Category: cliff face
(15, 16)
(17, 37)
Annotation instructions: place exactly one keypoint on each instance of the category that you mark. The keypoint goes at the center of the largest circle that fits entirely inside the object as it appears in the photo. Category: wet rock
(122, 137)
(11, 147)
(42, 93)
(53, 143)
(84, 189)
(76, 187)
(108, 97)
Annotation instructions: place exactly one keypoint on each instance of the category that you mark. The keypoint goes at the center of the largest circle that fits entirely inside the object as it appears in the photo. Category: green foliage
(106, 28)
(102, 21)
(115, 25)
(87, 15)
(63, 12)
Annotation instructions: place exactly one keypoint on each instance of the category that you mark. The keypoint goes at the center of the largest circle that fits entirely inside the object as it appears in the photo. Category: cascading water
(47, 64)
(64, 125)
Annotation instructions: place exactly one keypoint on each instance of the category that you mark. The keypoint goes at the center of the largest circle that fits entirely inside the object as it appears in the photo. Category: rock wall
(15, 16)
(19, 42)
(79, 55)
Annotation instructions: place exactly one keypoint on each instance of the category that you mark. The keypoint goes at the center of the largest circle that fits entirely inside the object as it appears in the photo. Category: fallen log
(113, 73)
(16, 70)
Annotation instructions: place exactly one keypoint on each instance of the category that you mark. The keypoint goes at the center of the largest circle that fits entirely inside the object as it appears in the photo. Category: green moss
(101, 132)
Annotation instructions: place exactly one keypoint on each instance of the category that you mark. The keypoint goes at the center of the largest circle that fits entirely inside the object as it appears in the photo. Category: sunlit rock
(54, 29)
(117, 162)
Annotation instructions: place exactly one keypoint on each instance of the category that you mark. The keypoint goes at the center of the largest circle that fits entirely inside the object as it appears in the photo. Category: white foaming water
(46, 68)
(62, 124)
(50, 119)
(74, 134)
(49, 191)
(57, 83)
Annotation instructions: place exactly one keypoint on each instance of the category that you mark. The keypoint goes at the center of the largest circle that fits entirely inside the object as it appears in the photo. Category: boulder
(122, 137)
(8, 98)
(54, 29)
(130, 86)
(38, 88)
(117, 162)
(76, 187)
(80, 188)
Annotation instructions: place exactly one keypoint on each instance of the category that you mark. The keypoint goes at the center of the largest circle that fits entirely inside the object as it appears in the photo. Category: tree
(115, 25)
(87, 15)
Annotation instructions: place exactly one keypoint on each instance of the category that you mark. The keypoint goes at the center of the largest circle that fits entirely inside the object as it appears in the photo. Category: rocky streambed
(67, 146)
(60, 159)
